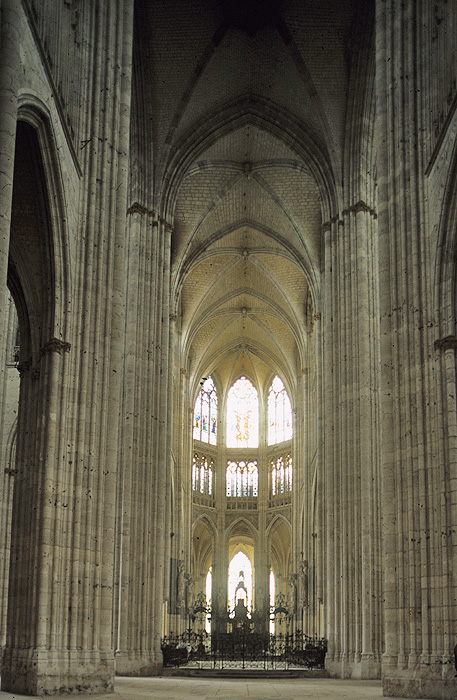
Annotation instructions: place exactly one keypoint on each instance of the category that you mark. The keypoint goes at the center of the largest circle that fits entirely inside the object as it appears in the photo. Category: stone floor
(234, 689)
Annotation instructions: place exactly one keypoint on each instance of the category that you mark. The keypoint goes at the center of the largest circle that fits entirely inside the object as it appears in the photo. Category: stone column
(61, 582)
(10, 32)
(351, 443)
(416, 474)
(146, 452)
(9, 399)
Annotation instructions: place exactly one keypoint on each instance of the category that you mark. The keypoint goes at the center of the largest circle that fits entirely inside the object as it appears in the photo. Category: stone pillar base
(366, 668)
(55, 672)
(138, 664)
(441, 688)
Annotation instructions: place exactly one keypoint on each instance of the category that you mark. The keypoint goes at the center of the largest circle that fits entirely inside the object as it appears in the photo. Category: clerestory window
(243, 415)
(279, 413)
(205, 413)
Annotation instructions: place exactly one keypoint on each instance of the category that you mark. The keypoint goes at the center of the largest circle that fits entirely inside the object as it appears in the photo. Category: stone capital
(55, 345)
(360, 206)
(137, 208)
(447, 343)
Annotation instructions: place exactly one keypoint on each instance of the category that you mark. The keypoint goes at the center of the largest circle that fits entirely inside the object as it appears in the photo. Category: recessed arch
(266, 115)
(34, 113)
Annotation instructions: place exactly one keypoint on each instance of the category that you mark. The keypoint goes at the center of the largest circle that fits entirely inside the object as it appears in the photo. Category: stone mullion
(419, 635)
(430, 480)
(115, 310)
(449, 501)
(139, 643)
(301, 496)
(84, 288)
(56, 491)
(135, 634)
(389, 476)
(94, 370)
(331, 422)
(129, 610)
(353, 438)
(402, 216)
(160, 456)
(364, 432)
(143, 595)
(6, 475)
(344, 460)
(10, 32)
(185, 442)
(18, 634)
(319, 532)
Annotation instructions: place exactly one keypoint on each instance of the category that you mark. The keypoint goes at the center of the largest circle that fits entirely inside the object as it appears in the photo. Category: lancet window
(202, 478)
(242, 479)
(280, 479)
(243, 415)
(279, 413)
(239, 582)
(205, 413)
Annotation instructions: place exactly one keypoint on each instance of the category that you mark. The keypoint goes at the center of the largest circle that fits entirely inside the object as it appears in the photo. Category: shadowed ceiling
(247, 102)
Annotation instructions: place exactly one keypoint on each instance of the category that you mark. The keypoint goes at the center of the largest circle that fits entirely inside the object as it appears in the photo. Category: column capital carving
(24, 367)
(447, 343)
(55, 345)
(358, 207)
(328, 224)
(137, 208)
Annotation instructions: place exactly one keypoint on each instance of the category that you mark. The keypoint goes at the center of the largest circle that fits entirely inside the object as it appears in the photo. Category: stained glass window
(202, 474)
(281, 474)
(279, 413)
(242, 415)
(205, 413)
(242, 479)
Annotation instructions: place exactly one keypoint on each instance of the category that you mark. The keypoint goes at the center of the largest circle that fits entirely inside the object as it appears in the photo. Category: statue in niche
(241, 622)
(292, 596)
(180, 599)
(303, 584)
(190, 592)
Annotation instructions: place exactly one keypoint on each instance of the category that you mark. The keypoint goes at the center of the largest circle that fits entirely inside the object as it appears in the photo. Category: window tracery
(243, 415)
(205, 413)
(202, 479)
(242, 479)
(279, 413)
(280, 479)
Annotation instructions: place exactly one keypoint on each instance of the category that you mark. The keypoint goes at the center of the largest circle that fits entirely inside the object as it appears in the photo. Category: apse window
(243, 415)
(242, 479)
(279, 413)
(281, 474)
(202, 474)
(205, 413)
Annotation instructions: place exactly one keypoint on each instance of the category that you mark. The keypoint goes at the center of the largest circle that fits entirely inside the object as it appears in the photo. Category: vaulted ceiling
(247, 102)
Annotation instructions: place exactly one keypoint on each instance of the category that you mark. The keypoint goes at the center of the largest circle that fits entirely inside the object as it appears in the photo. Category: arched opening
(30, 341)
(239, 583)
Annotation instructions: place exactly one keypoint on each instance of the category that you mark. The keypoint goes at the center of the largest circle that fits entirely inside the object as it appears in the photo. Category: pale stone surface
(182, 689)
(227, 189)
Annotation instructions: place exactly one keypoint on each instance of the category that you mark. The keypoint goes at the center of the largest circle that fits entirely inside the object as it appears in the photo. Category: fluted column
(61, 581)
(9, 399)
(9, 72)
(145, 504)
(415, 477)
(354, 592)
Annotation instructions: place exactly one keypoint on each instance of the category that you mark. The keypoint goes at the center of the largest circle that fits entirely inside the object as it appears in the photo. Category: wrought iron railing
(244, 649)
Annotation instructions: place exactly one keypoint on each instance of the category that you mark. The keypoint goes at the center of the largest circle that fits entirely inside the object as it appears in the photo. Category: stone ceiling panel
(250, 144)
(261, 66)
